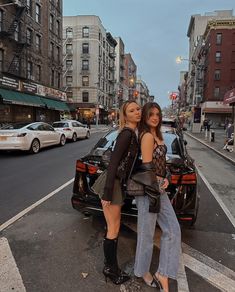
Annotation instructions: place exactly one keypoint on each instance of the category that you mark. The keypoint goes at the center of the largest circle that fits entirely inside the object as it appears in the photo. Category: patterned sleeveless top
(159, 159)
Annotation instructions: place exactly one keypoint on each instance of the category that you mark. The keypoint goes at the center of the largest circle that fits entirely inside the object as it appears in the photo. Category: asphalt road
(59, 249)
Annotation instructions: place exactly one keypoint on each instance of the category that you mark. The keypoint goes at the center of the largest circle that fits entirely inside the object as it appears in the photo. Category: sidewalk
(99, 128)
(216, 146)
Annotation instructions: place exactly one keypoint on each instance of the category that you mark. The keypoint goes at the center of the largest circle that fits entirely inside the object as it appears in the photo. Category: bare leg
(112, 214)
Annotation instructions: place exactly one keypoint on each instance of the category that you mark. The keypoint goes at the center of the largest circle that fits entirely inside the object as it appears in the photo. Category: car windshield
(60, 125)
(13, 126)
(171, 141)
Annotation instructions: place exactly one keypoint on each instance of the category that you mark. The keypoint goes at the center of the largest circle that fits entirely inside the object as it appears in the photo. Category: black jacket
(122, 159)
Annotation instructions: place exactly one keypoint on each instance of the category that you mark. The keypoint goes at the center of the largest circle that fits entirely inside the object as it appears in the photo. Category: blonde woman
(122, 159)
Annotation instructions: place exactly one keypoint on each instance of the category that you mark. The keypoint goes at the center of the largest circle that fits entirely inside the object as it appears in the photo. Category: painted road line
(217, 197)
(208, 261)
(25, 211)
(10, 278)
(219, 280)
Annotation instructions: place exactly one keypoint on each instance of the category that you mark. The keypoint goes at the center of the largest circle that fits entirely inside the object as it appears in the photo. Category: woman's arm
(147, 146)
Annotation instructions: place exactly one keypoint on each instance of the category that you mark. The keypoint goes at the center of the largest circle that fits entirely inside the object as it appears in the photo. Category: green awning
(15, 97)
(55, 104)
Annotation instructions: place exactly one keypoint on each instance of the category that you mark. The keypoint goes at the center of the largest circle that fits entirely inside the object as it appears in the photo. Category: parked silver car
(72, 129)
(30, 137)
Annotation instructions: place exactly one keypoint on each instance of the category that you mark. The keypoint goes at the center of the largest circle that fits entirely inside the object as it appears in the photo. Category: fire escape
(8, 31)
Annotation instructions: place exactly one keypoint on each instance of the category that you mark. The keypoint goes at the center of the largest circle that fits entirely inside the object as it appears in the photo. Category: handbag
(133, 188)
(99, 184)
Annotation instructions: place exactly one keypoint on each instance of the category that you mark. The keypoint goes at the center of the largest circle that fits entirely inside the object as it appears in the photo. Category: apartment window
(57, 27)
(38, 43)
(51, 22)
(233, 57)
(218, 57)
(216, 92)
(58, 54)
(1, 20)
(51, 50)
(38, 13)
(85, 80)
(58, 79)
(17, 32)
(69, 32)
(85, 32)
(217, 74)
(85, 96)
(218, 38)
(29, 36)
(69, 63)
(85, 48)
(69, 48)
(1, 59)
(29, 70)
(52, 77)
(232, 75)
(38, 72)
(85, 65)
(29, 6)
(69, 80)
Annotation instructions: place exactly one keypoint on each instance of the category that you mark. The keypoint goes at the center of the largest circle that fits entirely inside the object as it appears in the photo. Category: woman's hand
(165, 184)
(105, 203)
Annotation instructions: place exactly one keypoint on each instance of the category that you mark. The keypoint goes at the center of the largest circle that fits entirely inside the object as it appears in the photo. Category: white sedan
(30, 137)
(72, 129)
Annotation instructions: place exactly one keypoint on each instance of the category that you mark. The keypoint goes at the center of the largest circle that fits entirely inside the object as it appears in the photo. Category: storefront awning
(55, 104)
(217, 110)
(14, 97)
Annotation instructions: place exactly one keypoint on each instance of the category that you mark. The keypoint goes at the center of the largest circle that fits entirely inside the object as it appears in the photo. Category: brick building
(31, 61)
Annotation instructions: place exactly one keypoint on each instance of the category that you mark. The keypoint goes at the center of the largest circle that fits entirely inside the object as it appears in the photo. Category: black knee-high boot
(111, 269)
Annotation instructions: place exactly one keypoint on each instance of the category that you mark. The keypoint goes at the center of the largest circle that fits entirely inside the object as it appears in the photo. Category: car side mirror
(185, 142)
(184, 129)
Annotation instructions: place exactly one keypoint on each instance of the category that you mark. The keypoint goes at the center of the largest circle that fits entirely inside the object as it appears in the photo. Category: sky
(153, 31)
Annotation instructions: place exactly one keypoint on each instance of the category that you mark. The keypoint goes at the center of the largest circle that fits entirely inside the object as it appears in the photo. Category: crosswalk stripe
(10, 278)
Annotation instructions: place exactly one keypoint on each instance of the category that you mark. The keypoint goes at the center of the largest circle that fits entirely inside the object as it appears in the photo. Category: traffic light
(173, 96)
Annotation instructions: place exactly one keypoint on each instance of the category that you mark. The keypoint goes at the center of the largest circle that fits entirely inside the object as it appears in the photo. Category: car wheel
(35, 146)
(62, 140)
(88, 134)
(74, 138)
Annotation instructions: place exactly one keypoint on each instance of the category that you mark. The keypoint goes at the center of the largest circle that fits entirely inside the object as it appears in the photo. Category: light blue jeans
(170, 248)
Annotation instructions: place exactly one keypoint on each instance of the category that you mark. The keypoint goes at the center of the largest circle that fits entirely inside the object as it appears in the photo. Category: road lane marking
(217, 197)
(28, 209)
(217, 274)
(10, 278)
(217, 279)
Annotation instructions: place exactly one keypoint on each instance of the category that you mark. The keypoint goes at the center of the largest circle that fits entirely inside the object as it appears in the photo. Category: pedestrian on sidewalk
(122, 159)
(153, 151)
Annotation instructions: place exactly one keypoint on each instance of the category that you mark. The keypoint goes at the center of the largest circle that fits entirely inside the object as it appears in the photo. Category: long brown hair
(122, 116)
(146, 111)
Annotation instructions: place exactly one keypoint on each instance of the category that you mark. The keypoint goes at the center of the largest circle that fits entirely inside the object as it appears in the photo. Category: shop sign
(9, 82)
(28, 87)
(229, 97)
(51, 92)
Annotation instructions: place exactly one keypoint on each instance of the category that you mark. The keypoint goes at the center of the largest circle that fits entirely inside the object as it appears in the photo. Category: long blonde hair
(122, 115)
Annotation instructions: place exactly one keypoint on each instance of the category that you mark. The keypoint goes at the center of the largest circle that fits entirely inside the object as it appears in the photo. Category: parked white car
(30, 137)
(72, 129)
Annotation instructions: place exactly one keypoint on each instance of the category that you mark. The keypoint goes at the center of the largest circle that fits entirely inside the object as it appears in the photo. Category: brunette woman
(122, 159)
(154, 150)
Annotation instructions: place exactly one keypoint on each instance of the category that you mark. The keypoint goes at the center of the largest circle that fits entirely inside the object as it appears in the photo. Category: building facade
(130, 75)
(31, 61)
(142, 92)
(89, 67)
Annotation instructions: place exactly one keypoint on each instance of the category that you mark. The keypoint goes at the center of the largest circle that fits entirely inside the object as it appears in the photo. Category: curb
(216, 151)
